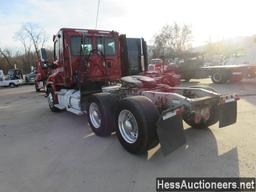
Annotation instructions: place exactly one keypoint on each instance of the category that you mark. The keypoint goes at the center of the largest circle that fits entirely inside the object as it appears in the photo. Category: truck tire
(36, 87)
(101, 112)
(219, 77)
(52, 100)
(12, 85)
(136, 124)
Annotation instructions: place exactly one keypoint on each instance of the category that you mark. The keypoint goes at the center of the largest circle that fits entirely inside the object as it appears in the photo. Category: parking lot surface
(56, 152)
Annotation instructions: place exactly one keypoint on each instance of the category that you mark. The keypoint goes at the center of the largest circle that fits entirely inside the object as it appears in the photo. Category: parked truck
(230, 73)
(41, 73)
(193, 68)
(98, 73)
(12, 79)
(30, 77)
(163, 72)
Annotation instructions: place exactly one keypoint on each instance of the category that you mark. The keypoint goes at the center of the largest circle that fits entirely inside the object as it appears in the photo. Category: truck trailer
(194, 68)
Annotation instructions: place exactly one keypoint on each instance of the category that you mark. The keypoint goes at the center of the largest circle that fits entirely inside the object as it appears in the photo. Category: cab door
(107, 59)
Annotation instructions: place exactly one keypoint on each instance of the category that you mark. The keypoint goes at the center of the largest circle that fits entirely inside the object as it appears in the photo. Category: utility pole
(98, 8)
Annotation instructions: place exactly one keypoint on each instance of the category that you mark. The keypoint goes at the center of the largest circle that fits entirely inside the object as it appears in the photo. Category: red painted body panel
(41, 73)
(163, 74)
(236, 75)
(69, 68)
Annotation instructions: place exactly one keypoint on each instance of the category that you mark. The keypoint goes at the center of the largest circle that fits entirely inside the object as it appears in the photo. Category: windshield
(10, 72)
(106, 45)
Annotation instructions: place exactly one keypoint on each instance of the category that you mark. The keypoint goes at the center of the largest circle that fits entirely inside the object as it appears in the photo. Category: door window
(79, 47)
(106, 45)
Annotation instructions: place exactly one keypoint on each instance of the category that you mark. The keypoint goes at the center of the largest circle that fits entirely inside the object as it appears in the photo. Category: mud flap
(170, 131)
(227, 114)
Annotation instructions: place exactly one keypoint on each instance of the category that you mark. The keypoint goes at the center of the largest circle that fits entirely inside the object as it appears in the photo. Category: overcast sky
(210, 19)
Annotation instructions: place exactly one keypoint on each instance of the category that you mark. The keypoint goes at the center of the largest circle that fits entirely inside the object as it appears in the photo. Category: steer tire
(219, 77)
(146, 116)
(36, 87)
(52, 101)
(106, 105)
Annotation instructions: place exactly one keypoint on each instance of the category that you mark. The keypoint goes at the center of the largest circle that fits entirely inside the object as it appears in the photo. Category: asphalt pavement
(56, 152)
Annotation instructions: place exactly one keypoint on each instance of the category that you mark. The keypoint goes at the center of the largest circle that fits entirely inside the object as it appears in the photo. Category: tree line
(174, 41)
(32, 37)
(171, 41)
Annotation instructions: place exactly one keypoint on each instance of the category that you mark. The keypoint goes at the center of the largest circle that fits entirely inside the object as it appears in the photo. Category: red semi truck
(98, 73)
(42, 72)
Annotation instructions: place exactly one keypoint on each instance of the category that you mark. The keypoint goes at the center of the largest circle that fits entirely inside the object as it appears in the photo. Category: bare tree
(6, 55)
(171, 40)
(186, 37)
(30, 35)
(26, 42)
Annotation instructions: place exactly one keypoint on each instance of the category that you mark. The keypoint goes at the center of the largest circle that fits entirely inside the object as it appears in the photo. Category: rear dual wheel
(134, 120)
(101, 112)
(136, 124)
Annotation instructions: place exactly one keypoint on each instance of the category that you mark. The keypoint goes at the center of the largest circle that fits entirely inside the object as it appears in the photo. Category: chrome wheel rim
(217, 77)
(128, 126)
(95, 116)
(50, 99)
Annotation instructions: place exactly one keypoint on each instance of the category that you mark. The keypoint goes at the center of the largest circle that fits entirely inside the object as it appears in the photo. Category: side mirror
(43, 55)
(43, 58)
(44, 65)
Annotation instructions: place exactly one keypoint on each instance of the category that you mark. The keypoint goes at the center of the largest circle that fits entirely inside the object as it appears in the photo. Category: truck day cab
(99, 73)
